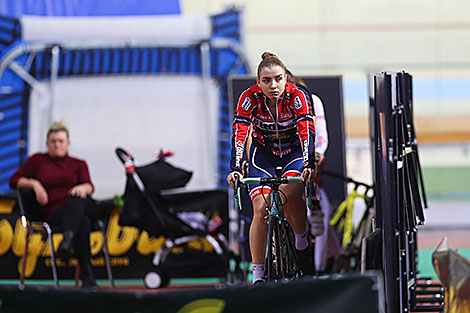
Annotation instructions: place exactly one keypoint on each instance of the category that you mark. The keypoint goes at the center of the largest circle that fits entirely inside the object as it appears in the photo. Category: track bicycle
(281, 260)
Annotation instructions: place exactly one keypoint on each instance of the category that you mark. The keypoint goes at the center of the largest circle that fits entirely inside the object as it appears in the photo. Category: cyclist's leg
(294, 208)
(296, 212)
(258, 231)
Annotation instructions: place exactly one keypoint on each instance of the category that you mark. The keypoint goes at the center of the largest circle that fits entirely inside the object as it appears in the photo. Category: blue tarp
(17, 8)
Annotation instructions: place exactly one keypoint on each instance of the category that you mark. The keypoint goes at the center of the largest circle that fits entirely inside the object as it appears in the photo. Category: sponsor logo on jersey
(271, 126)
(286, 115)
(246, 103)
(305, 153)
(238, 153)
(276, 136)
(297, 103)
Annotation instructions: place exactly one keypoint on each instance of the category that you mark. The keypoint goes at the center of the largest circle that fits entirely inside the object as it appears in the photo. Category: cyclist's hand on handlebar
(308, 175)
(232, 178)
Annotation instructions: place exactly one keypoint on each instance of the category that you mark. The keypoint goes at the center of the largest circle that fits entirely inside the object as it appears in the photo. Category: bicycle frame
(281, 260)
(269, 181)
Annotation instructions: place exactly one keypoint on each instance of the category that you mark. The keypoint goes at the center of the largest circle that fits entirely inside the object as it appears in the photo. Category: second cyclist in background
(283, 134)
(327, 246)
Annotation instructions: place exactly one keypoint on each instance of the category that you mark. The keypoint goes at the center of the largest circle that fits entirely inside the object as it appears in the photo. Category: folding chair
(34, 223)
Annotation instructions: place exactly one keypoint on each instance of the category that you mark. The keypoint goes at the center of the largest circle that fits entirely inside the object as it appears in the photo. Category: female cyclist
(282, 132)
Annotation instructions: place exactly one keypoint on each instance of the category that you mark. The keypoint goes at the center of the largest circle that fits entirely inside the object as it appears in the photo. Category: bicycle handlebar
(271, 181)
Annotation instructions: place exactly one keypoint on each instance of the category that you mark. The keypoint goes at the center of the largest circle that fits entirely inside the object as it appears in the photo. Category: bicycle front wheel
(281, 261)
(274, 263)
(291, 263)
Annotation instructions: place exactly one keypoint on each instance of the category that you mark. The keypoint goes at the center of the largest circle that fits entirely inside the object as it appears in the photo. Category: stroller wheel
(154, 280)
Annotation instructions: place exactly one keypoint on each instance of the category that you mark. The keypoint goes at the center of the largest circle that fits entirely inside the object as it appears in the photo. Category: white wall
(342, 36)
(428, 38)
(141, 114)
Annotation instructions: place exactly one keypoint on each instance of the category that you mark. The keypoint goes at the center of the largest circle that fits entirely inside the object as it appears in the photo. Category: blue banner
(17, 8)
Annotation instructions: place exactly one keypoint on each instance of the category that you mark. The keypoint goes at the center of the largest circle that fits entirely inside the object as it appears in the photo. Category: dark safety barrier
(333, 295)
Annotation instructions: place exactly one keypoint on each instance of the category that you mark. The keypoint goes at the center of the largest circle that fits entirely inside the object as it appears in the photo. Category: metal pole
(206, 79)
(54, 73)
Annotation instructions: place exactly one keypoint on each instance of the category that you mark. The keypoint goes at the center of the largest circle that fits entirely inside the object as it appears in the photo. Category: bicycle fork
(272, 265)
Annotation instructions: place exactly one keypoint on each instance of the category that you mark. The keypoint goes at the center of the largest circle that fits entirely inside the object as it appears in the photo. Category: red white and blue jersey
(290, 128)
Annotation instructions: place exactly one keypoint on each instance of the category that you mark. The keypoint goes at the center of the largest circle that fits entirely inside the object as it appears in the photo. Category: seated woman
(62, 187)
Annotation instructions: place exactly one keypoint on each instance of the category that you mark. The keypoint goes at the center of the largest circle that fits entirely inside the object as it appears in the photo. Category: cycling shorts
(263, 164)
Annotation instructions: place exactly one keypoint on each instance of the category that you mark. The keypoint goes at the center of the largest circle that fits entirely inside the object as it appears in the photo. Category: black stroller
(146, 208)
